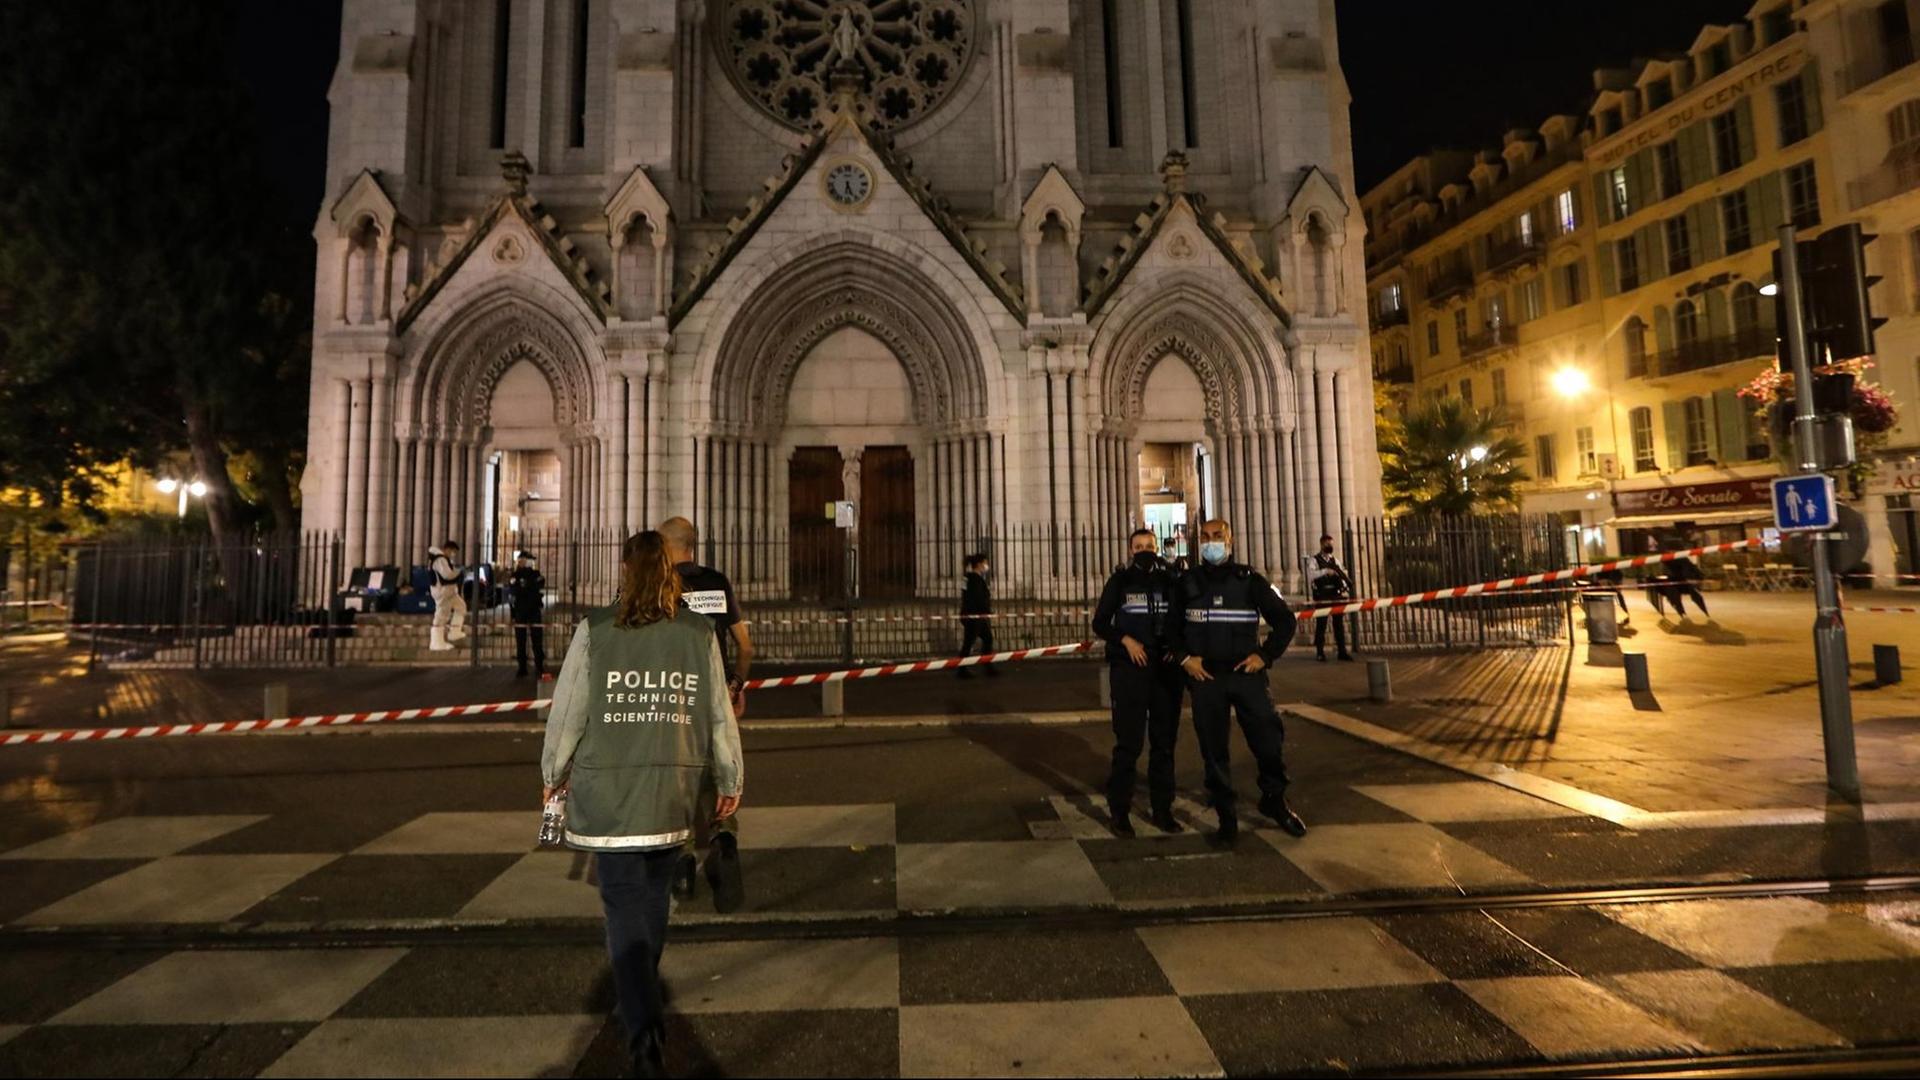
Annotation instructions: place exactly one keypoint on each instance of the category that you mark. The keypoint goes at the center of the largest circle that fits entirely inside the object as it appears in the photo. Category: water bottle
(553, 820)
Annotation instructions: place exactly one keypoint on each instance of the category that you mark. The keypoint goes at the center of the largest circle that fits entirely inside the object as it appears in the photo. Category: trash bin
(1601, 627)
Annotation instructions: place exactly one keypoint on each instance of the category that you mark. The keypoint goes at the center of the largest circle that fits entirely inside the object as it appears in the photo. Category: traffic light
(1834, 282)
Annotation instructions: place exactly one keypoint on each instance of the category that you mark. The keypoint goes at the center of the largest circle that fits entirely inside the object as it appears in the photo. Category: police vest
(1144, 600)
(1221, 620)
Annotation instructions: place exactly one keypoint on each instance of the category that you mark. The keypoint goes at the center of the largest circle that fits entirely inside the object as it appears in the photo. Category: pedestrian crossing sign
(1805, 503)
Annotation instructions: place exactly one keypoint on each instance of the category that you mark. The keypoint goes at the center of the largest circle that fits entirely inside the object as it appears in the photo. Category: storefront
(1688, 515)
(1892, 509)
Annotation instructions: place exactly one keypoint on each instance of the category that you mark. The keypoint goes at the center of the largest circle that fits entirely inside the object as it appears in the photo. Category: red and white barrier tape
(918, 665)
(1886, 610)
(336, 720)
(1504, 584)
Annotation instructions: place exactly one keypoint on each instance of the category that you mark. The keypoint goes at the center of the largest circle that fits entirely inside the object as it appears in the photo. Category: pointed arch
(1240, 366)
(464, 362)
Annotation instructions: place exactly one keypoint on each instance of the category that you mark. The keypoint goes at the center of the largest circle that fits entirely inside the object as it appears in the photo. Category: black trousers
(980, 630)
(635, 891)
(1339, 632)
(521, 632)
(1146, 711)
(1248, 698)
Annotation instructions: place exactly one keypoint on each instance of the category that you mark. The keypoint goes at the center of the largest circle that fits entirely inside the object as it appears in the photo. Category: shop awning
(1718, 517)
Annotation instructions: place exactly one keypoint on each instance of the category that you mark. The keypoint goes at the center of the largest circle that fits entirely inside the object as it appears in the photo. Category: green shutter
(1675, 416)
(1763, 195)
(1743, 123)
(1705, 227)
(1609, 281)
(1558, 275)
(1730, 423)
(1696, 155)
(1602, 205)
(1662, 329)
(1642, 186)
(1810, 93)
(1719, 318)
(1653, 252)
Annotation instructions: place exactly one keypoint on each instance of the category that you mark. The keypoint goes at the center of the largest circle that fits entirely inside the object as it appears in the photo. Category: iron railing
(1397, 556)
(1703, 353)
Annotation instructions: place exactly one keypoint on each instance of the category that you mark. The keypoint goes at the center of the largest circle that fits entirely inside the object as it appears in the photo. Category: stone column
(1343, 426)
(423, 451)
(1328, 478)
(356, 551)
(342, 451)
(636, 386)
(380, 475)
(1308, 462)
(656, 384)
(384, 252)
(400, 540)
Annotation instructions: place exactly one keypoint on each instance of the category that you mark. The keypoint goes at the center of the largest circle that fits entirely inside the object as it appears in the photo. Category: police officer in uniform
(1330, 583)
(526, 591)
(1131, 618)
(1215, 622)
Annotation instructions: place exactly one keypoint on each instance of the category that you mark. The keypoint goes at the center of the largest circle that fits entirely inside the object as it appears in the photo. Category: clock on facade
(849, 184)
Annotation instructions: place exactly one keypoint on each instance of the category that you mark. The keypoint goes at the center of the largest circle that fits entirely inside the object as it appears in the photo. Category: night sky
(1422, 74)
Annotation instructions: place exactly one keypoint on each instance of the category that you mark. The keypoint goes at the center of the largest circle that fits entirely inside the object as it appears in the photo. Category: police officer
(1131, 618)
(1330, 583)
(1215, 622)
(527, 590)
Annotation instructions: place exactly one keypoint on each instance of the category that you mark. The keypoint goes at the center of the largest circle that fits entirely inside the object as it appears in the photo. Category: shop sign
(1896, 477)
(1681, 500)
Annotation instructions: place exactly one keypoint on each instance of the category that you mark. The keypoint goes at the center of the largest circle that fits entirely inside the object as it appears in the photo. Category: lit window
(1641, 422)
(1803, 196)
(1622, 205)
(1499, 386)
(1564, 209)
(1543, 463)
(1696, 414)
(1583, 449)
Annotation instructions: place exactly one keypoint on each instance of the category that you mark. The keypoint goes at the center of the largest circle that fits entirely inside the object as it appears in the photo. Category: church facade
(970, 265)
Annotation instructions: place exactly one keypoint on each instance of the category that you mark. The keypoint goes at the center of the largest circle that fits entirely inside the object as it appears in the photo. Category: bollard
(1379, 681)
(273, 703)
(1886, 664)
(1636, 671)
(833, 699)
(1106, 686)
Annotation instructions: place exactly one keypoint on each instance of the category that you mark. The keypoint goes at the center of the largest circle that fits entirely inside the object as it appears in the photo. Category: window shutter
(1641, 189)
(1559, 276)
(1609, 278)
(1705, 228)
(1653, 252)
(1675, 415)
(1730, 417)
(1743, 124)
(1696, 158)
(1763, 195)
(1600, 198)
(1810, 93)
(1662, 329)
(1719, 321)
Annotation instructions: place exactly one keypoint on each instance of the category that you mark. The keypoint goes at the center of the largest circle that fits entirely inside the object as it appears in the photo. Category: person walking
(1131, 618)
(1686, 578)
(1215, 630)
(526, 604)
(708, 592)
(449, 607)
(640, 717)
(1330, 583)
(976, 600)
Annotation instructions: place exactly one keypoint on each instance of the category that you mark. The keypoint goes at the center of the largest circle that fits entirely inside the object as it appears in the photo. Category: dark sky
(1422, 74)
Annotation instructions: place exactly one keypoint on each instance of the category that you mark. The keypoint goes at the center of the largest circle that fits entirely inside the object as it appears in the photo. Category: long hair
(649, 585)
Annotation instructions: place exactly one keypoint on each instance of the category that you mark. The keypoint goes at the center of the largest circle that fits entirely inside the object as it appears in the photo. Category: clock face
(849, 184)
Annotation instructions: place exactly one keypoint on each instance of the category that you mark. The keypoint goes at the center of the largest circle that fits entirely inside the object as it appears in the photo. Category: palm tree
(1448, 458)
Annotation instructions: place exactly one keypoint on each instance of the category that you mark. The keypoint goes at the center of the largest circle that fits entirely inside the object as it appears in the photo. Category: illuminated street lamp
(1571, 382)
(169, 485)
(1478, 453)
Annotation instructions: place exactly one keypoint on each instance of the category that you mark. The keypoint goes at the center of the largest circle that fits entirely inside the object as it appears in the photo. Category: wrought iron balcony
(1492, 339)
(1895, 54)
(1395, 376)
(1382, 320)
(1703, 353)
(1506, 254)
(1448, 281)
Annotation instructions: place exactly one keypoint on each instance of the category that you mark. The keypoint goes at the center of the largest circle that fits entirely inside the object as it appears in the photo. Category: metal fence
(810, 596)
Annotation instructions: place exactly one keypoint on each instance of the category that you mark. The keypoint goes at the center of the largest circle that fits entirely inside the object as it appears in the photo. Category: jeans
(1248, 698)
(1146, 710)
(635, 891)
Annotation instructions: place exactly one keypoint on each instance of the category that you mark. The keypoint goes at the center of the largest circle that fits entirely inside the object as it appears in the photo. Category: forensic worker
(1131, 618)
(641, 724)
(1215, 622)
(449, 607)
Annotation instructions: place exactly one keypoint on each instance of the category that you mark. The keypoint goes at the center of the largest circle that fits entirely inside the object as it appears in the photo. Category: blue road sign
(1805, 503)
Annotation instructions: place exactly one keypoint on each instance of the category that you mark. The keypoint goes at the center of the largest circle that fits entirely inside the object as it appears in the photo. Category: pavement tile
(234, 987)
(540, 885)
(1188, 867)
(1565, 1017)
(141, 1050)
(1324, 802)
(1866, 1001)
(489, 980)
(1433, 1025)
(817, 826)
(1465, 800)
(858, 1043)
(473, 832)
(1589, 942)
(1722, 1013)
(1771, 930)
(1584, 857)
(810, 880)
(1370, 858)
(180, 889)
(782, 976)
(383, 888)
(38, 983)
(338, 830)
(1298, 954)
(441, 1046)
(952, 823)
(1016, 874)
(146, 837)
(1467, 945)
(29, 890)
(1039, 965)
(1098, 1037)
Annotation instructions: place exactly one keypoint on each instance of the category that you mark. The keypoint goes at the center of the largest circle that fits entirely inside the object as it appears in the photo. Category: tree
(138, 257)
(1448, 458)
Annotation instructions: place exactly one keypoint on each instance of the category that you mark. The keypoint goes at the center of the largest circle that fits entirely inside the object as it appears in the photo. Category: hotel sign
(1679, 501)
(1672, 118)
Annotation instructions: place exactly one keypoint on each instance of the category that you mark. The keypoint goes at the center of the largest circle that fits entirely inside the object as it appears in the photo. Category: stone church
(971, 265)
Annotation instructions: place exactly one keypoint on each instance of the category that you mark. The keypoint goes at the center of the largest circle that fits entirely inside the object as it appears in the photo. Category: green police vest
(655, 695)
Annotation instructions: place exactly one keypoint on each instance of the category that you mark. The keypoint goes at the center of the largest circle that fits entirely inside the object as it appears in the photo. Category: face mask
(1213, 552)
(1145, 560)
(1326, 549)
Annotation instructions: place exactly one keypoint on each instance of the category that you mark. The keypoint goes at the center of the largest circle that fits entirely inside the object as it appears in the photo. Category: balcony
(1703, 353)
(1896, 55)
(1893, 177)
(1384, 320)
(1395, 376)
(1450, 281)
(1491, 340)
(1507, 254)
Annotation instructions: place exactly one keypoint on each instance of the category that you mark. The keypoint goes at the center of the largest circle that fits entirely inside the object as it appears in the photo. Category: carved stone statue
(846, 40)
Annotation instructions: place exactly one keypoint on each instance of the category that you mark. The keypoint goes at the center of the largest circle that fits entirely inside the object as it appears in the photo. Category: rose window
(910, 53)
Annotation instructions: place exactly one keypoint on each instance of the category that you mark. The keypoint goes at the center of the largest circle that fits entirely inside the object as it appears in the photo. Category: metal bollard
(1379, 681)
(1106, 687)
(833, 699)
(1886, 664)
(1636, 671)
(273, 704)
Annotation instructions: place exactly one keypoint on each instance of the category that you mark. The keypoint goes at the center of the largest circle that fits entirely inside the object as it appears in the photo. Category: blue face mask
(1213, 552)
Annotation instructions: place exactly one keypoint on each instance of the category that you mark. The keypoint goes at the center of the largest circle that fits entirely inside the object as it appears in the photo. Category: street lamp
(169, 485)
(1478, 453)
(1571, 382)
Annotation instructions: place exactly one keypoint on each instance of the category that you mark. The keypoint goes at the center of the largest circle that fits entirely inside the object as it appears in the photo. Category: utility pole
(1829, 628)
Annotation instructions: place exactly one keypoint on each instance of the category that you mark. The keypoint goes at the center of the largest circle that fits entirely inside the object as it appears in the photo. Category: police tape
(1523, 581)
(913, 666)
(1885, 610)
